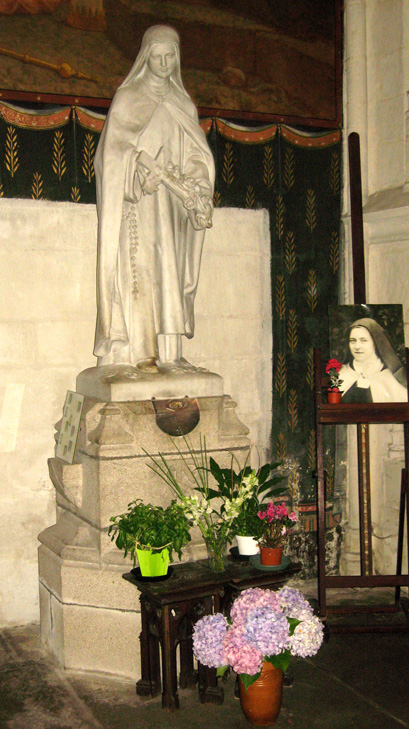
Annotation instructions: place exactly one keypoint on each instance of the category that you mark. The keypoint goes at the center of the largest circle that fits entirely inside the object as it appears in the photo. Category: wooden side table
(169, 609)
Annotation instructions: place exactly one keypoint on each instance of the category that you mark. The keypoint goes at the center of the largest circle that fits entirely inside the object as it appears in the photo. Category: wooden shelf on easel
(361, 415)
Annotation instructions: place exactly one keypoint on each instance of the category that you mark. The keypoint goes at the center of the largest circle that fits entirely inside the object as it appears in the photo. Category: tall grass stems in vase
(218, 495)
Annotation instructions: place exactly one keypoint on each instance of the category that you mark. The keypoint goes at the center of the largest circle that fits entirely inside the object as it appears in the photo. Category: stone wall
(47, 320)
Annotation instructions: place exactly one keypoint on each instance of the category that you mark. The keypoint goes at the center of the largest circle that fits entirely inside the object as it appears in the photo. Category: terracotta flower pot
(261, 702)
(271, 555)
(334, 396)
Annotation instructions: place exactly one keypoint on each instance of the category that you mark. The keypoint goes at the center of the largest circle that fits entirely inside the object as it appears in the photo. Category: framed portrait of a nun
(369, 341)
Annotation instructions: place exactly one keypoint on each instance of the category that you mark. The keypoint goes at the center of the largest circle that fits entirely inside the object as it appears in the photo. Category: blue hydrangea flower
(208, 637)
(267, 630)
(294, 604)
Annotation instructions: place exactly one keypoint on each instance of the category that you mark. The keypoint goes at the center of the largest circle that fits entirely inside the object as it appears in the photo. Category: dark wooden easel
(362, 415)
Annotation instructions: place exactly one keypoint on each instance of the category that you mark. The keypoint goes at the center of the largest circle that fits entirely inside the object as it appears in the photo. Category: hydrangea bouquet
(264, 626)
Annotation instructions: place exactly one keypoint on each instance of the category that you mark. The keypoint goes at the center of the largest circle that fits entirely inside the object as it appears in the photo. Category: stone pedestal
(90, 617)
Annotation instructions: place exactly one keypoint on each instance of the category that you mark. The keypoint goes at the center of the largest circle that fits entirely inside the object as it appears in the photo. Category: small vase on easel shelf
(334, 397)
(332, 369)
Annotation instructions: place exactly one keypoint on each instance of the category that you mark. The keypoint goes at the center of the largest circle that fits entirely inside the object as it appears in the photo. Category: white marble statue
(155, 175)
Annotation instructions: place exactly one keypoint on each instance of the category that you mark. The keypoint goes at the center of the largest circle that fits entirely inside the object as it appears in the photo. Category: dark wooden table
(169, 609)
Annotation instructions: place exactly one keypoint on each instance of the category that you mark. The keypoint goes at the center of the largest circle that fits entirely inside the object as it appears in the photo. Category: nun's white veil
(156, 34)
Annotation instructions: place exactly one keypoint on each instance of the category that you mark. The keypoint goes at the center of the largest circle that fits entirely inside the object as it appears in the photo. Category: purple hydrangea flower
(267, 630)
(293, 603)
(208, 637)
(240, 654)
(307, 637)
(250, 599)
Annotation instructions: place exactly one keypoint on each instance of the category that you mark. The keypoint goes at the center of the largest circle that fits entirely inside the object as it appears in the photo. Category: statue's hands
(201, 214)
(205, 214)
(149, 172)
(150, 183)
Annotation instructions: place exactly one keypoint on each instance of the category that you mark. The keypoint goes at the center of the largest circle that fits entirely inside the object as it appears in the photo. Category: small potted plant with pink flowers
(264, 630)
(276, 524)
(332, 369)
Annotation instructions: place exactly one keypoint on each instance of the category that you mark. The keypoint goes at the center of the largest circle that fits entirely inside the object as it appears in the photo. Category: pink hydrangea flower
(250, 599)
(260, 628)
(239, 653)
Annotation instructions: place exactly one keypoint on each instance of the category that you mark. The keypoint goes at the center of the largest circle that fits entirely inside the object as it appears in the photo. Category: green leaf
(213, 494)
(271, 491)
(281, 661)
(272, 482)
(221, 670)
(293, 624)
(215, 468)
(263, 473)
(247, 679)
(244, 472)
(229, 478)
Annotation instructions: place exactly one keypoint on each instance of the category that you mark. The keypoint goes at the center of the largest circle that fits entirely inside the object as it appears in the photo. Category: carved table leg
(154, 662)
(186, 675)
(170, 699)
(149, 683)
(209, 690)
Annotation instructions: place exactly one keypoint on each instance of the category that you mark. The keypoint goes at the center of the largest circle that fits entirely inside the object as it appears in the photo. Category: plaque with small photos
(70, 425)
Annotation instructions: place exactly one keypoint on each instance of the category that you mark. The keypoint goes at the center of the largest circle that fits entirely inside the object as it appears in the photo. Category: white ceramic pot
(247, 545)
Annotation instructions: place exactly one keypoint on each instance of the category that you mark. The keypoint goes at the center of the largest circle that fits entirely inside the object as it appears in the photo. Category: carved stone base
(121, 383)
(90, 616)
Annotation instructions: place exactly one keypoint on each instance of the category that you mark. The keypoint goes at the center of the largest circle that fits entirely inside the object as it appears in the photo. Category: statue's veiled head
(159, 54)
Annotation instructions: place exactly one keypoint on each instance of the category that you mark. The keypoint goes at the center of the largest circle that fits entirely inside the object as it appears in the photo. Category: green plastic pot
(153, 563)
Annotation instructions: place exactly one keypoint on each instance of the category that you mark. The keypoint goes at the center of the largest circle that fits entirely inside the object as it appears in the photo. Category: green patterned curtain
(48, 155)
(295, 175)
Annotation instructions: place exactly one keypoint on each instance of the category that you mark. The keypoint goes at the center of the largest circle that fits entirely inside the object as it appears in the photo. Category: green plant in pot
(150, 534)
(262, 483)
